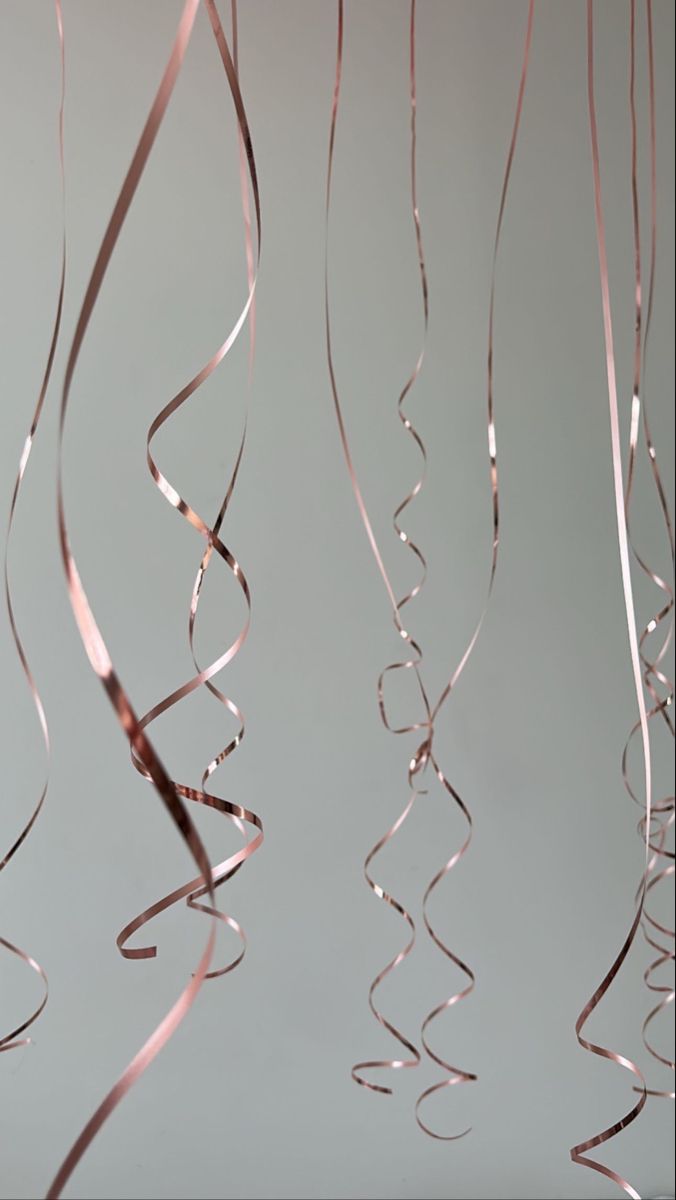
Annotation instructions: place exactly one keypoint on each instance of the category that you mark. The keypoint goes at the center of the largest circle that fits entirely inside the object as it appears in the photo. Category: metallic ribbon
(579, 1152)
(424, 755)
(143, 751)
(412, 663)
(194, 890)
(658, 936)
(455, 1074)
(15, 1038)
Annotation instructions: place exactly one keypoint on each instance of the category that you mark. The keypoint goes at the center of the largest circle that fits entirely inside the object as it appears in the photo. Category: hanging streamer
(143, 751)
(16, 1038)
(412, 663)
(579, 1153)
(252, 261)
(194, 890)
(658, 936)
(455, 1075)
(424, 755)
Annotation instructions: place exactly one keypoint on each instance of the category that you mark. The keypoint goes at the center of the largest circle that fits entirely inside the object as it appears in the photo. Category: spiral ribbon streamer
(658, 936)
(16, 1038)
(657, 818)
(134, 727)
(424, 755)
(194, 890)
(579, 1153)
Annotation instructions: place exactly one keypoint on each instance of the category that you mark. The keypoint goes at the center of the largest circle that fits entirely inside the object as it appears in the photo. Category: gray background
(253, 1098)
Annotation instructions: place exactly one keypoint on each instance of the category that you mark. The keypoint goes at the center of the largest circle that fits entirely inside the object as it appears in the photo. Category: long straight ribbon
(578, 1152)
(15, 1038)
(424, 755)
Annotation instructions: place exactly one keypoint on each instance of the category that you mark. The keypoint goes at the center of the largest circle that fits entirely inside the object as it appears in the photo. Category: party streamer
(579, 1153)
(413, 663)
(193, 891)
(424, 755)
(144, 753)
(661, 866)
(15, 1038)
(456, 1075)
(252, 268)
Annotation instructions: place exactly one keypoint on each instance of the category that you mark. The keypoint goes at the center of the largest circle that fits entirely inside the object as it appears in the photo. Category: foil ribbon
(19, 1036)
(194, 890)
(424, 756)
(455, 1075)
(144, 754)
(579, 1153)
(657, 934)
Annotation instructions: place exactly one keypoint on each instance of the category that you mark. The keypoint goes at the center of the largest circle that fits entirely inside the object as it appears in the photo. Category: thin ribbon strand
(579, 1153)
(413, 663)
(14, 1039)
(456, 1075)
(424, 753)
(92, 638)
(661, 865)
(252, 261)
(194, 890)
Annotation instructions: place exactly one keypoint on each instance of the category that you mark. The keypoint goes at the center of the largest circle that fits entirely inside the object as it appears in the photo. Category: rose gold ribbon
(457, 1075)
(424, 754)
(14, 1039)
(92, 639)
(413, 663)
(661, 865)
(193, 891)
(579, 1153)
(252, 262)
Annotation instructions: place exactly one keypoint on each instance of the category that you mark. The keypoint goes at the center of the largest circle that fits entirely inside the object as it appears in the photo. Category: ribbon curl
(579, 1153)
(456, 1075)
(418, 762)
(424, 755)
(194, 890)
(661, 865)
(14, 1039)
(143, 751)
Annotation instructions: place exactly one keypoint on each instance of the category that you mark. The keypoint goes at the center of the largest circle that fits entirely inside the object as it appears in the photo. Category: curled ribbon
(658, 936)
(456, 1075)
(424, 755)
(194, 890)
(413, 663)
(579, 1153)
(143, 751)
(15, 1038)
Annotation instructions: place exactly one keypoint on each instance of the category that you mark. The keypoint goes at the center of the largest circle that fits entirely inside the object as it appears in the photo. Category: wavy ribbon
(661, 865)
(143, 751)
(252, 262)
(413, 663)
(15, 1038)
(424, 755)
(456, 1075)
(579, 1153)
(194, 890)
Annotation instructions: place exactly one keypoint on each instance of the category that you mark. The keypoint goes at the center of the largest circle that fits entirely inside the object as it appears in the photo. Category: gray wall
(253, 1098)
